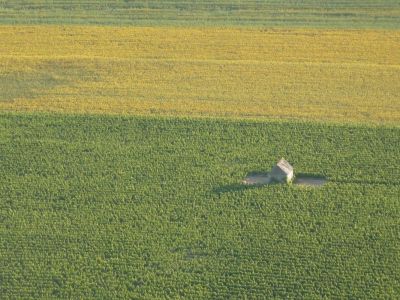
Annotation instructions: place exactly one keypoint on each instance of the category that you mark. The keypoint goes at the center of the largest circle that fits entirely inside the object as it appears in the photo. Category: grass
(118, 207)
(317, 75)
(265, 13)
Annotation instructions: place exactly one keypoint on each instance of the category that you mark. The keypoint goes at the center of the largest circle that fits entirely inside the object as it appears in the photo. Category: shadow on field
(320, 180)
(236, 187)
(366, 182)
(310, 180)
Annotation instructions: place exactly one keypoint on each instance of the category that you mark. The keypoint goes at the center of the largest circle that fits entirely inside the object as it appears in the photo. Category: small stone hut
(282, 172)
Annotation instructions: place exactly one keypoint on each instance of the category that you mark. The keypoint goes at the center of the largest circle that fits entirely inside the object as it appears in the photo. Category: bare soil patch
(257, 179)
(310, 181)
(264, 178)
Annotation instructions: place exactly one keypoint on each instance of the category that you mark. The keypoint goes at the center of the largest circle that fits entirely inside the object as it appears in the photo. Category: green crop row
(334, 14)
(140, 207)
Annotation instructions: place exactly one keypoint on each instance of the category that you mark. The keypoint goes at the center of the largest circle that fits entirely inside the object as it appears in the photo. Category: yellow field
(340, 76)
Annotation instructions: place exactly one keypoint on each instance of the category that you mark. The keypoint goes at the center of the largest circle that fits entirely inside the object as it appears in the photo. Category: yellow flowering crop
(335, 75)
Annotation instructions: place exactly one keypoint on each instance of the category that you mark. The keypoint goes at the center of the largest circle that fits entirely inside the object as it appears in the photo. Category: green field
(275, 13)
(127, 127)
(141, 207)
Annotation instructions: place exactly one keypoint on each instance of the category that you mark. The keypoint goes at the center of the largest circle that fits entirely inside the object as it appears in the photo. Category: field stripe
(364, 46)
(324, 75)
(249, 13)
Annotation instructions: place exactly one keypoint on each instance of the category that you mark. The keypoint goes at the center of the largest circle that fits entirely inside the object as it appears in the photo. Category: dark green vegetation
(32, 83)
(18, 85)
(311, 13)
(24, 85)
(111, 207)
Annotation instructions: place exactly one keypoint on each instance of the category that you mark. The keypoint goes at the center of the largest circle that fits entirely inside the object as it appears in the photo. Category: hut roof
(284, 166)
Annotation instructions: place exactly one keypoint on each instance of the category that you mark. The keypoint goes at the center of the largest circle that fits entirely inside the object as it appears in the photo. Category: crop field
(127, 128)
(113, 207)
(260, 13)
(323, 75)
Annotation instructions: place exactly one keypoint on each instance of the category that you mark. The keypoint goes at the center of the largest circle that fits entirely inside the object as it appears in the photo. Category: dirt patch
(257, 179)
(310, 181)
(265, 178)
